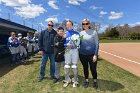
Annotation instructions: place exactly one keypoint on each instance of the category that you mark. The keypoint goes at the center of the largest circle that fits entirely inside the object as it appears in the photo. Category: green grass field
(117, 41)
(24, 79)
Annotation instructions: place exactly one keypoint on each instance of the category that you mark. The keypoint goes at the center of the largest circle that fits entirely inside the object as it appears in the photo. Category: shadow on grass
(106, 85)
(38, 56)
(6, 68)
(28, 62)
(103, 85)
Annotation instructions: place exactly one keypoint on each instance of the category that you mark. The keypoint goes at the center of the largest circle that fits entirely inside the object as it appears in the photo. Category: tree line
(121, 32)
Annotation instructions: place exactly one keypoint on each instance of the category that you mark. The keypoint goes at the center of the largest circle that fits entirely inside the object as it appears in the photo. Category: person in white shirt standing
(35, 38)
(22, 45)
(71, 55)
(29, 39)
(13, 45)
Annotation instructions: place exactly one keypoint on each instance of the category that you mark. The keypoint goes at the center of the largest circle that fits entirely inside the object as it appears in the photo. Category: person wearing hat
(22, 45)
(29, 39)
(35, 38)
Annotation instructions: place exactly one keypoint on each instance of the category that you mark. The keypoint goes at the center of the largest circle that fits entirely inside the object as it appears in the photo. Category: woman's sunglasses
(85, 23)
(50, 25)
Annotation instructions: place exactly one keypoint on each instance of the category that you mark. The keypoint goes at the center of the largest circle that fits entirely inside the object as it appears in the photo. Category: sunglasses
(50, 25)
(85, 23)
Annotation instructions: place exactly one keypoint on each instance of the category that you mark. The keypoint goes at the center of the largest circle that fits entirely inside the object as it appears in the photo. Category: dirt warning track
(124, 55)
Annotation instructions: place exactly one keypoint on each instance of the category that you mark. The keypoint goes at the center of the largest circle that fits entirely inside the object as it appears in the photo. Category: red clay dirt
(124, 55)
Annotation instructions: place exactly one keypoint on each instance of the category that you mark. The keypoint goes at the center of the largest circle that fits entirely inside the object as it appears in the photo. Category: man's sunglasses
(50, 25)
(85, 23)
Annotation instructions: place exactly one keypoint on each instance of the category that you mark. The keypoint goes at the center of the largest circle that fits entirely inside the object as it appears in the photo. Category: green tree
(113, 33)
(134, 35)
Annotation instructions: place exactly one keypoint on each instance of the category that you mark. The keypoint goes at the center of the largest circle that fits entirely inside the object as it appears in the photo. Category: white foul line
(120, 57)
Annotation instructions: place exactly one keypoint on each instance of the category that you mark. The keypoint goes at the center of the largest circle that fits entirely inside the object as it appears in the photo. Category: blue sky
(38, 12)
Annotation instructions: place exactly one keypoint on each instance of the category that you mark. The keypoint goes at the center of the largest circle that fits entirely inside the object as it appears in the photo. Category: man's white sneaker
(66, 84)
(75, 84)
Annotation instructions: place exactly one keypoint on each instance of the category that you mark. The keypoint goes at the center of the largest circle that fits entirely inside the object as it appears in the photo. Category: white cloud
(115, 15)
(66, 19)
(100, 16)
(103, 13)
(103, 28)
(0, 12)
(24, 8)
(42, 25)
(95, 7)
(64, 13)
(13, 3)
(30, 11)
(54, 15)
(54, 19)
(135, 24)
(67, 6)
(76, 2)
(52, 3)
